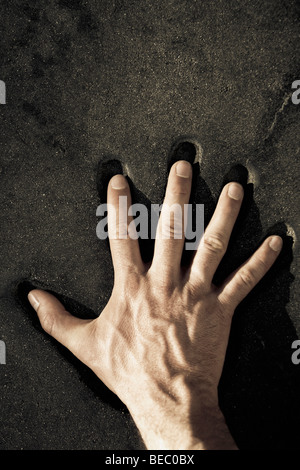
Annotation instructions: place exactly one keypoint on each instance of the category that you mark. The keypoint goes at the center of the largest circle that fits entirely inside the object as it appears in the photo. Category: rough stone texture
(91, 79)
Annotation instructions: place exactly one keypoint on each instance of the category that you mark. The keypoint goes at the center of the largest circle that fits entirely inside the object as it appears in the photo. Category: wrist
(172, 431)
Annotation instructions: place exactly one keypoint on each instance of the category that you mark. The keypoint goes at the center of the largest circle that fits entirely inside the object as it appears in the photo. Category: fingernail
(183, 169)
(33, 300)
(235, 191)
(275, 243)
(118, 182)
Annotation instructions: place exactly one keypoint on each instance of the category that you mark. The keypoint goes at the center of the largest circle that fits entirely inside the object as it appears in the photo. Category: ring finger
(214, 242)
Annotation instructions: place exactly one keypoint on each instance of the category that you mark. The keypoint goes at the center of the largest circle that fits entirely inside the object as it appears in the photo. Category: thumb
(70, 331)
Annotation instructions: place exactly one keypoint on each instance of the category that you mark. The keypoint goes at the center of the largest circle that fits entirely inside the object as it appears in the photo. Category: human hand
(161, 340)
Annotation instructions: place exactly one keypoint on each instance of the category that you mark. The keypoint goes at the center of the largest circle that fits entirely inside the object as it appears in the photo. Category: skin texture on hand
(160, 342)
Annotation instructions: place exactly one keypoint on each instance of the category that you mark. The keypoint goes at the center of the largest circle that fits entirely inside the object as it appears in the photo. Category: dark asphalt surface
(92, 80)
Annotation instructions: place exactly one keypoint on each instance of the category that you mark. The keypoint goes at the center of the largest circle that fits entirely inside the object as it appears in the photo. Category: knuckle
(166, 286)
(193, 291)
(224, 308)
(214, 244)
(171, 231)
(262, 265)
(198, 289)
(178, 186)
(120, 231)
(163, 282)
(47, 322)
(179, 189)
(133, 282)
(246, 278)
(172, 222)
